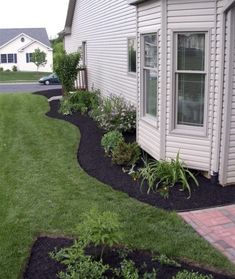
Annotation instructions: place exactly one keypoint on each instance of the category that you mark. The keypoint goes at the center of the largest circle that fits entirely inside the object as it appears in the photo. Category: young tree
(66, 68)
(39, 58)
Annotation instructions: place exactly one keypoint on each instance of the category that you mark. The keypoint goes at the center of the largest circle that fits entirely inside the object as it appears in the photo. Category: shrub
(126, 154)
(14, 68)
(191, 275)
(82, 101)
(110, 140)
(114, 113)
(86, 268)
(101, 229)
(164, 174)
(7, 70)
(1, 69)
(78, 265)
(67, 68)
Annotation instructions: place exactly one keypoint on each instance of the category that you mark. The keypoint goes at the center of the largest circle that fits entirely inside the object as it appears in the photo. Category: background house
(184, 84)
(17, 46)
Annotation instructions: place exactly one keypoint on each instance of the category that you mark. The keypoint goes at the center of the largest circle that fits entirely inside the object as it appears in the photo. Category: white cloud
(50, 14)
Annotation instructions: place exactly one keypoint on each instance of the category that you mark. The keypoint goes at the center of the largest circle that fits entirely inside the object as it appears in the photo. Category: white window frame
(176, 128)
(152, 120)
(131, 73)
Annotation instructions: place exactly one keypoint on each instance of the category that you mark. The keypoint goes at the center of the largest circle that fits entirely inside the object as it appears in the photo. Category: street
(25, 87)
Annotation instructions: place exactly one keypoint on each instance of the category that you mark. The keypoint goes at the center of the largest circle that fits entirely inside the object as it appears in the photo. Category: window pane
(10, 58)
(150, 50)
(151, 91)
(191, 91)
(3, 58)
(191, 52)
(132, 55)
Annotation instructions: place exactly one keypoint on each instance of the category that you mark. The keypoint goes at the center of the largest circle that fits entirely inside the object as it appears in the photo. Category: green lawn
(43, 190)
(20, 76)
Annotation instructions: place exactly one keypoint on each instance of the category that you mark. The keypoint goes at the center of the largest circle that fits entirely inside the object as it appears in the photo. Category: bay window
(190, 77)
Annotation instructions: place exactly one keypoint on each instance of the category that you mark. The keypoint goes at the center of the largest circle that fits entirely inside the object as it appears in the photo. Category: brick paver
(216, 225)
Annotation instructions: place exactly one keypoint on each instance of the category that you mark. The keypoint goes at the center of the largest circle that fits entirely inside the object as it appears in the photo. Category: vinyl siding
(194, 15)
(148, 21)
(105, 26)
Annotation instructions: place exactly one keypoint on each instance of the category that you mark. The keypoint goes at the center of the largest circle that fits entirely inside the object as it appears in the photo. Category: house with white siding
(175, 60)
(17, 46)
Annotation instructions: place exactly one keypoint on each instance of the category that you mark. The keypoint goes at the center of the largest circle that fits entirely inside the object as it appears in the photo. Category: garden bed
(92, 159)
(41, 265)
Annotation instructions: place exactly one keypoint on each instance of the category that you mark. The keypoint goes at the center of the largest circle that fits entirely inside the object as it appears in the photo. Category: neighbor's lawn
(43, 190)
(21, 76)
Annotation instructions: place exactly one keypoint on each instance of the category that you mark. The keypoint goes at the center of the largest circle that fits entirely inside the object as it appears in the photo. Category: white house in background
(17, 46)
(183, 84)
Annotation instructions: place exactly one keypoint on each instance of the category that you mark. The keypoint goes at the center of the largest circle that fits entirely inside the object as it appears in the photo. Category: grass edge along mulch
(92, 159)
(40, 264)
(43, 189)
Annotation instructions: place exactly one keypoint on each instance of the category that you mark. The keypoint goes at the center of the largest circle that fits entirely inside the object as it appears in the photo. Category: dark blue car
(51, 79)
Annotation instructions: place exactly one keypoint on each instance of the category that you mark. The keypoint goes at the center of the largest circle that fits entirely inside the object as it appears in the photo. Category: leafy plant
(86, 268)
(166, 174)
(191, 275)
(101, 229)
(114, 113)
(164, 260)
(66, 68)
(14, 68)
(110, 140)
(126, 153)
(81, 101)
(127, 270)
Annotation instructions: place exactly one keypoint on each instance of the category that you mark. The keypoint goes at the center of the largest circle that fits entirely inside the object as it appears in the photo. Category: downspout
(217, 136)
(163, 78)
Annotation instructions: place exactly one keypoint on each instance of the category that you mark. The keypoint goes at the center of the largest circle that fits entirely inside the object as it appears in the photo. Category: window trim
(150, 119)
(133, 74)
(188, 129)
(84, 53)
(14, 58)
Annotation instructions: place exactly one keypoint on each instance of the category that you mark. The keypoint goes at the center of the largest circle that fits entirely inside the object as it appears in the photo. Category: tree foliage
(66, 67)
(39, 58)
(58, 52)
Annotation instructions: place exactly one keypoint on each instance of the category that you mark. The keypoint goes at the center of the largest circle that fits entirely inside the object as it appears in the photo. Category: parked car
(51, 79)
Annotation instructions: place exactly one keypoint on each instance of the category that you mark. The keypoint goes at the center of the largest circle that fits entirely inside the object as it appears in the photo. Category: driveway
(25, 87)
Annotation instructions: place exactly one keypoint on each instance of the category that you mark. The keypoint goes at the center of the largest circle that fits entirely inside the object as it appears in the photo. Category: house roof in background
(39, 34)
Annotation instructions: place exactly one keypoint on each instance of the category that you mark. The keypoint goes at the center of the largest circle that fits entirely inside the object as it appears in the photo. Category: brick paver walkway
(216, 225)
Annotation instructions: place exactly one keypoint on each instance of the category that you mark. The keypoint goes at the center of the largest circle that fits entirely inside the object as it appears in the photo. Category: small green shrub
(7, 70)
(81, 101)
(114, 113)
(127, 270)
(191, 275)
(163, 174)
(126, 154)
(110, 140)
(101, 229)
(86, 268)
(14, 68)
(1, 69)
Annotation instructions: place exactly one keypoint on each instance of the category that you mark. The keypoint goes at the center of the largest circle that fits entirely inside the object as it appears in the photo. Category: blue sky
(50, 14)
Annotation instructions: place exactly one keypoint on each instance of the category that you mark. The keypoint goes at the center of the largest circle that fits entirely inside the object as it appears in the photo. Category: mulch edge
(51, 93)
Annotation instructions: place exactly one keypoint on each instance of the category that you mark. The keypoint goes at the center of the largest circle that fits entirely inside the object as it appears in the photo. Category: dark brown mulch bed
(91, 158)
(40, 264)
